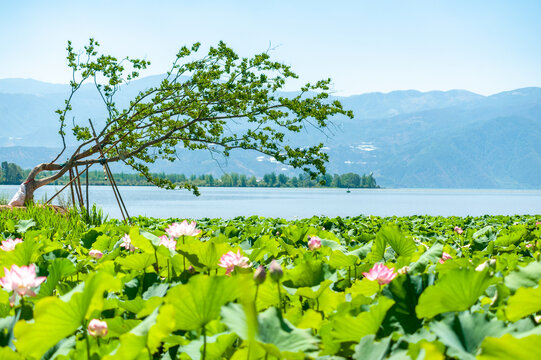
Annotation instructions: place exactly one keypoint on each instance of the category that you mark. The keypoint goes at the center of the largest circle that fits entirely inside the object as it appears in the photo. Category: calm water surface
(301, 203)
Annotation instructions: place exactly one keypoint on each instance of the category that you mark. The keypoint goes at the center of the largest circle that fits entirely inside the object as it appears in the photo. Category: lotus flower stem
(256, 291)
(204, 343)
(183, 257)
(157, 265)
(279, 297)
(87, 340)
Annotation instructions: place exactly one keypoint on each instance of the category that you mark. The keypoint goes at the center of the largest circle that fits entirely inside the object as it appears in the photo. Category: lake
(301, 203)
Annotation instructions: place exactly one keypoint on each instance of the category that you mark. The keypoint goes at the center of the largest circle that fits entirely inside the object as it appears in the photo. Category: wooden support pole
(107, 170)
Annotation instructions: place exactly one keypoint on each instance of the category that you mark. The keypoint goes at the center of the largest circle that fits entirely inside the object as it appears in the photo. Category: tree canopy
(218, 102)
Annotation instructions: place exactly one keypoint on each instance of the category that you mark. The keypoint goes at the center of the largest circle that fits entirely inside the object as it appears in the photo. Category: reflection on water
(291, 203)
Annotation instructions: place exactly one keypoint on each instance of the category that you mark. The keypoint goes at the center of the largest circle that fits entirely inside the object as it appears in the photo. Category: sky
(363, 46)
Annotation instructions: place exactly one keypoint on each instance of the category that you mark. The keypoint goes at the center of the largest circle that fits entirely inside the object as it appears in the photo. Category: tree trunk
(30, 189)
(25, 194)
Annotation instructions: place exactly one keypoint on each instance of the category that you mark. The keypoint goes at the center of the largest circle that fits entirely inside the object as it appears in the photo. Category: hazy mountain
(407, 138)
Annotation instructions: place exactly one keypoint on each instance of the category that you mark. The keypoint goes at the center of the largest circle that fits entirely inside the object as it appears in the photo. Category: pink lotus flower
(381, 273)
(9, 244)
(168, 243)
(314, 243)
(445, 257)
(126, 243)
(538, 223)
(529, 246)
(96, 254)
(458, 230)
(21, 280)
(176, 230)
(231, 260)
(97, 328)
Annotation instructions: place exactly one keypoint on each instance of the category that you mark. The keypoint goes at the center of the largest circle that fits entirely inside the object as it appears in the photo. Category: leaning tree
(218, 102)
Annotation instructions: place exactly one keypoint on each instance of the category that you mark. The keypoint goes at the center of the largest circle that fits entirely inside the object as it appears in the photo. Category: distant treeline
(13, 174)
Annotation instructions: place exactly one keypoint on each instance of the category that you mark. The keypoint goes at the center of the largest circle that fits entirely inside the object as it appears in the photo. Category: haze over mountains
(435, 139)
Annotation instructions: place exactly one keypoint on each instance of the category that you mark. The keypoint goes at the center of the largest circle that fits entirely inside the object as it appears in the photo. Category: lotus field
(364, 287)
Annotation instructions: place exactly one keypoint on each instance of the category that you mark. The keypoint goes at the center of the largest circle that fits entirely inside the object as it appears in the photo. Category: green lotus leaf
(141, 242)
(163, 325)
(267, 295)
(349, 328)
(329, 300)
(55, 319)
(363, 287)
(23, 225)
(508, 347)
(277, 336)
(25, 253)
(307, 274)
(432, 255)
(8, 354)
(483, 237)
(391, 235)
(118, 326)
(131, 347)
(512, 235)
(333, 245)
(457, 290)
(209, 253)
(368, 348)
(137, 262)
(217, 345)
(199, 301)
(313, 292)
(524, 302)
(58, 269)
(340, 260)
(464, 333)
(526, 276)
(405, 291)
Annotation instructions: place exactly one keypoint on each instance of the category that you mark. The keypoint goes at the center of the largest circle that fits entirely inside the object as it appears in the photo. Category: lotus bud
(314, 243)
(97, 328)
(96, 254)
(275, 271)
(260, 274)
(404, 270)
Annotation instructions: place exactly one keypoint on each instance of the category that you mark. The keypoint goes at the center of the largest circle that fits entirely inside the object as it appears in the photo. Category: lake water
(301, 203)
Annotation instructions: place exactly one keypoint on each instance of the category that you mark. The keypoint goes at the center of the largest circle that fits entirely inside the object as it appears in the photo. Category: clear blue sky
(364, 46)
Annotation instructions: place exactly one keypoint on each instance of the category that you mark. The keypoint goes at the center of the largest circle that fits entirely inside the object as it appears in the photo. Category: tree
(282, 180)
(218, 102)
(242, 180)
(11, 173)
(350, 180)
(234, 179)
(252, 181)
(336, 181)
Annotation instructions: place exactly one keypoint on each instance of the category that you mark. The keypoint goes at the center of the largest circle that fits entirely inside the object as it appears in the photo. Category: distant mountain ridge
(434, 139)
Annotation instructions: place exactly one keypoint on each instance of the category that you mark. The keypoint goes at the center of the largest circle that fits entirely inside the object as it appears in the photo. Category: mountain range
(434, 139)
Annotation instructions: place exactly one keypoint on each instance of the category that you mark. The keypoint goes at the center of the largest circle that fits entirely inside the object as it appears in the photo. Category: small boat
(348, 191)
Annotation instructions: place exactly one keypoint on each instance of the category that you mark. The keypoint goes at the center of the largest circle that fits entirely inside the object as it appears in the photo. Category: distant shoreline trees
(349, 180)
